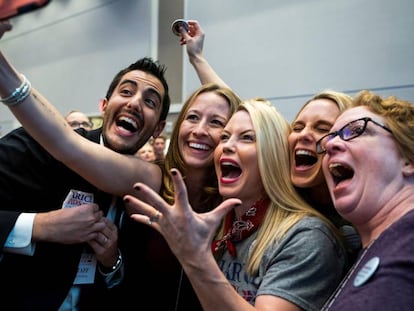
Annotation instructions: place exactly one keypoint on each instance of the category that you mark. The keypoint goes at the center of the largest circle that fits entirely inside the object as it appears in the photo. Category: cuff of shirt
(19, 240)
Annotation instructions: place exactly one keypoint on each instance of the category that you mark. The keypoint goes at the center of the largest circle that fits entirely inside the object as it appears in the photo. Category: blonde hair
(342, 100)
(286, 206)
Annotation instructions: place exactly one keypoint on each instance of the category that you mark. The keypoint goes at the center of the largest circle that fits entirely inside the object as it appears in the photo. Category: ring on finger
(155, 218)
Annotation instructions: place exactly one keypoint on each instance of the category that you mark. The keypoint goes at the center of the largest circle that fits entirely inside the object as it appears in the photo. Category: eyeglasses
(349, 131)
(76, 124)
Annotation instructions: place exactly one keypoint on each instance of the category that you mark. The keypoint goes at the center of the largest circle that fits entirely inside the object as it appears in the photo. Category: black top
(153, 275)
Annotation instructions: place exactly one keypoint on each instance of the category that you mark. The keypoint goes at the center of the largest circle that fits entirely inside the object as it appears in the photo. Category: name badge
(86, 269)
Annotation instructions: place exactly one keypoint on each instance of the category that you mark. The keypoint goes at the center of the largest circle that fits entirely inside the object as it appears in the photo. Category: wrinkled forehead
(145, 80)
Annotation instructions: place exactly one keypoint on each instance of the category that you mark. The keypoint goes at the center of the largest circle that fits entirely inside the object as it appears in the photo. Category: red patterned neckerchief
(239, 229)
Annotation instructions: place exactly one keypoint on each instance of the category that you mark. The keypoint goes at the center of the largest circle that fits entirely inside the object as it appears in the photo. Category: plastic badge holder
(175, 27)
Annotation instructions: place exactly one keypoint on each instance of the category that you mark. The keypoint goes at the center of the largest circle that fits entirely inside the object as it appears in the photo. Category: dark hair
(152, 67)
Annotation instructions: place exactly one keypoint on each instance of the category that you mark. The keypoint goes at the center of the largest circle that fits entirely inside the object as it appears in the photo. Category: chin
(302, 183)
(228, 193)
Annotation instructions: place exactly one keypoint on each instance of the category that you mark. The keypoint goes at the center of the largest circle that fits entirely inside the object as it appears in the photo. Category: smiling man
(42, 243)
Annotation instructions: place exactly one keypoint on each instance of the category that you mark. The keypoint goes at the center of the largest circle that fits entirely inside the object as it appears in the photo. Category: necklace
(351, 271)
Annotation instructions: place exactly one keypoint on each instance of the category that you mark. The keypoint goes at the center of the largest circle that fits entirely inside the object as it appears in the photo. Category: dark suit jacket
(31, 180)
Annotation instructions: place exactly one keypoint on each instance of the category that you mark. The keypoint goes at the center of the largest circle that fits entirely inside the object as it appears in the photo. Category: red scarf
(239, 229)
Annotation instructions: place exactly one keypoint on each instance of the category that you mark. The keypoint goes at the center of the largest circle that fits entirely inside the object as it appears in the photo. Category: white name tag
(87, 262)
(86, 269)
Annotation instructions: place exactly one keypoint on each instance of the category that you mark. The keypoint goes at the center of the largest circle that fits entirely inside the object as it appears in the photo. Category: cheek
(217, 154)
(249, 158)
(291, 140)
(182, 132)
(324, 165)
(317, 135)
(150, 115)
(110, 110)
(215, 136)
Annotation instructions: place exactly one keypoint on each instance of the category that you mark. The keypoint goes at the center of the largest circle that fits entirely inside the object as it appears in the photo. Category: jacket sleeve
(7, 222)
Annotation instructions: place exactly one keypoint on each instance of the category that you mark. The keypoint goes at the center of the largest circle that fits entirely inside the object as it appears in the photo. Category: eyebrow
(150, 89)
(155, 92)
(128, 81)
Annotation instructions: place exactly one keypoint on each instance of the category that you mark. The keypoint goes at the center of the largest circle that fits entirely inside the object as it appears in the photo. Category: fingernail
(126, 200)
(137, 187)
(173, 172)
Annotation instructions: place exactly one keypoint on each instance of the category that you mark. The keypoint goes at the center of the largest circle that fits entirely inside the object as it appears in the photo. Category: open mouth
(340, 172)
(230, 170)
(127, 124)
(305, 158)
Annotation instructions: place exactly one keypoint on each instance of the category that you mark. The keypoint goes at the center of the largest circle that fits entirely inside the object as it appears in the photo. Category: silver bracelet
(19, 94)
(113, 268)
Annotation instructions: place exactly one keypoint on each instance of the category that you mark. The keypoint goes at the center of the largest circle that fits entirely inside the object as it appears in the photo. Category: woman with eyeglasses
(369, 169)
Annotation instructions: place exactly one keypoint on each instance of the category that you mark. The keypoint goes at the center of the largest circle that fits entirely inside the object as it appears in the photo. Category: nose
(135, 102)
(334, 143)
(200, 129)
(228, 146)
(306, 134)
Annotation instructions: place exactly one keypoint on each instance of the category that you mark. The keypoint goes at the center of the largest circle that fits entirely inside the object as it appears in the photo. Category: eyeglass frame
(77, 124)
(340, 133)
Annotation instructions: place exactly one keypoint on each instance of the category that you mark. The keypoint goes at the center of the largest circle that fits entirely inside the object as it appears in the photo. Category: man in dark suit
(42, 243)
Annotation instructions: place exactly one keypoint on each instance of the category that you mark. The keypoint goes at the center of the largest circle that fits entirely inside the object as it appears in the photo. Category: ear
(408, 168)
(102, 105)
(159, 128)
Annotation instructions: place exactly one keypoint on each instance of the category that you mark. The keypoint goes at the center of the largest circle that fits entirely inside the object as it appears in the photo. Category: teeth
(130, 121)
(303, 152)
(199, 146)
(226, 163)
(333, 165)
(334, 169)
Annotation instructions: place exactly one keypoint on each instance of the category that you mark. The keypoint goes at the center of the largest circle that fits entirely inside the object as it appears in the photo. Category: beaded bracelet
(19, 94)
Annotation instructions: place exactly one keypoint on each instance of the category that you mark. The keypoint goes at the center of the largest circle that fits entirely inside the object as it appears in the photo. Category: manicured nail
(137, 187)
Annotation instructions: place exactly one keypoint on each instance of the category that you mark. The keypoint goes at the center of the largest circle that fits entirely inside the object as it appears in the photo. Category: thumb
(225, 207)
